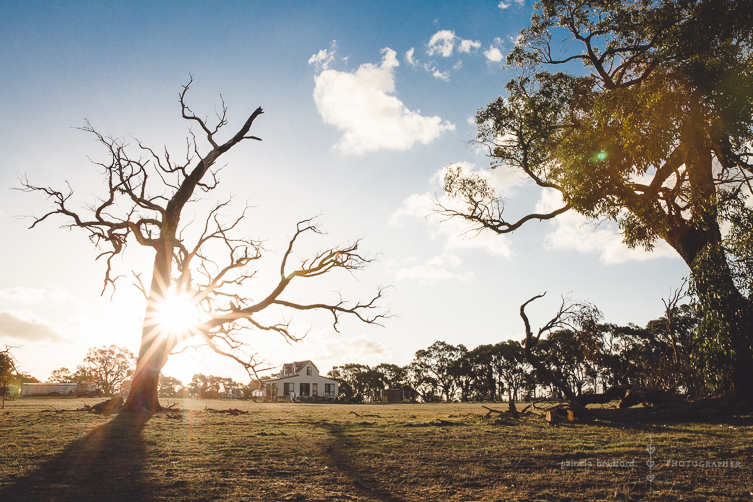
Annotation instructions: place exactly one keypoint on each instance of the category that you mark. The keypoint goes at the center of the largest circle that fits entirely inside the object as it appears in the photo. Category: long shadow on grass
(104, 466)
(343, 456)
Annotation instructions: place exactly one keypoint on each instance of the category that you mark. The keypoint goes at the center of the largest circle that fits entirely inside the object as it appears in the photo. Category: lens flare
(178, 315)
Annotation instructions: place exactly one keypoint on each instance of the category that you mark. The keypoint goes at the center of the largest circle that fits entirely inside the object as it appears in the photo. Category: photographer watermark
(704, 464)
(650, 463)
(609, 464)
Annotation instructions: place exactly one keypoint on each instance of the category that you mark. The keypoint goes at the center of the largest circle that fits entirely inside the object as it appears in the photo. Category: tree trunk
(728, 315)
(155, 344)
(145, 387)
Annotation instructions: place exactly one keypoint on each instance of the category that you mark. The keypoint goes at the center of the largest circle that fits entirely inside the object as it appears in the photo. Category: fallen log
(107, 407)
(492, 410)
(613, 393)
(648, 396)
(229, 411)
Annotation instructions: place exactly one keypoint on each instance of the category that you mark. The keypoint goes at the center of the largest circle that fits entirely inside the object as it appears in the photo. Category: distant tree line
(207, 387)
(109, 370)
(587, 361)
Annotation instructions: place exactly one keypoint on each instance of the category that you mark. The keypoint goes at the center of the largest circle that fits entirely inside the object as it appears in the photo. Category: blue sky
(365, 104)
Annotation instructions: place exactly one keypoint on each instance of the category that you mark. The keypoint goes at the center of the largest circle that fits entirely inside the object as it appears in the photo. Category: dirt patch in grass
(319, 452)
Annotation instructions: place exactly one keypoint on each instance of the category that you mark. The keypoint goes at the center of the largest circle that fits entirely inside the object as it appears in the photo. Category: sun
(178, 316)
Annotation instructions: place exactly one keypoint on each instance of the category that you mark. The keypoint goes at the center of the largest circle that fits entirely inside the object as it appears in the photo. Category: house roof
(296, 367)
(270, 380)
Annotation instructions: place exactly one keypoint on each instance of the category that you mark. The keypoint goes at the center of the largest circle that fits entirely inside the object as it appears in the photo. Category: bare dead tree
(670, 306)
(570, 315)
(146, 196)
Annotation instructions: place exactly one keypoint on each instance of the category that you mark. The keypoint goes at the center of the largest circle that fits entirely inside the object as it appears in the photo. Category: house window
(289, 388)
(329, 390)
(309, 370)
(305, 389)
(314, 389)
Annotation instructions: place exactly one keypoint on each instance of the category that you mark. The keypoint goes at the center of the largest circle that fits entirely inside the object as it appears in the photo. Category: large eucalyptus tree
(649, 123)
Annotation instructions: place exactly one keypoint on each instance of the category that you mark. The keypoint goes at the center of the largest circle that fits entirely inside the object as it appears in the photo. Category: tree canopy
(650, 126)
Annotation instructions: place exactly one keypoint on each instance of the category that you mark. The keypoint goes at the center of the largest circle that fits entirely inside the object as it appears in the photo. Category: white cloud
(352, 349)
(441, 75)
(468, 45)
(362, 105)
(442, 42)
(573, 231)
(409, 57)
(494, 55)
(438, 268)
(36, 295)
(505, 5)
(322, 59)
(25, 327)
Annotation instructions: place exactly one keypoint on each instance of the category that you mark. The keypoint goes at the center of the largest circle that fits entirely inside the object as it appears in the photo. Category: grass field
(324, 452)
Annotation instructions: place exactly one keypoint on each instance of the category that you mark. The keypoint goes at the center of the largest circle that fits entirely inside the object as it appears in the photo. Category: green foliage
(588, 357)
(211, 387)
(7, 366)
(651, 127)
(107, 368)
(170, 386)
(359, 382)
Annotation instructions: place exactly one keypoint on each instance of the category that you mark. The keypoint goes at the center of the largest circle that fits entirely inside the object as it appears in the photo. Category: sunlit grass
(323, 452)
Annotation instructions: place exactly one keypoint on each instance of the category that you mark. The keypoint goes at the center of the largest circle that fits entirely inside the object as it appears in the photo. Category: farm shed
(42, 389)
(396, 395)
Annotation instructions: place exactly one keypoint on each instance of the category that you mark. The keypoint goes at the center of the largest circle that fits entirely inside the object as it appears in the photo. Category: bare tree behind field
(147, 193)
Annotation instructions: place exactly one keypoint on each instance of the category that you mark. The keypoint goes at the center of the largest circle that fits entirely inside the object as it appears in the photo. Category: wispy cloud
(456, 234)
(441, 267)
(468, 46)
(322, 59)
(506, 5)
(362, 105)
(442, 43)
(23, 295)
(409, 57)
(26, 327)
(573, 231)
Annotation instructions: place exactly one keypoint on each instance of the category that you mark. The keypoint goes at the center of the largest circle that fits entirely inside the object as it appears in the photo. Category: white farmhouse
(300, 380)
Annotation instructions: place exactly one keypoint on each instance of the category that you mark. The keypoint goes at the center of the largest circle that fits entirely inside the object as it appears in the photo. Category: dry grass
(312, 452)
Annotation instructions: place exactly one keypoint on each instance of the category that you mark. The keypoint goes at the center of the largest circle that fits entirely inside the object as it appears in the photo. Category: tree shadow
(105, 465)
(339, 452)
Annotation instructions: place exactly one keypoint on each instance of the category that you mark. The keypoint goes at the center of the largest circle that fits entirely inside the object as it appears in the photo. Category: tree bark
(155, 346)
(698, 239)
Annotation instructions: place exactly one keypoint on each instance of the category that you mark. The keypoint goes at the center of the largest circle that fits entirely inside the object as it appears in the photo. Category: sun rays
(176, 317)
